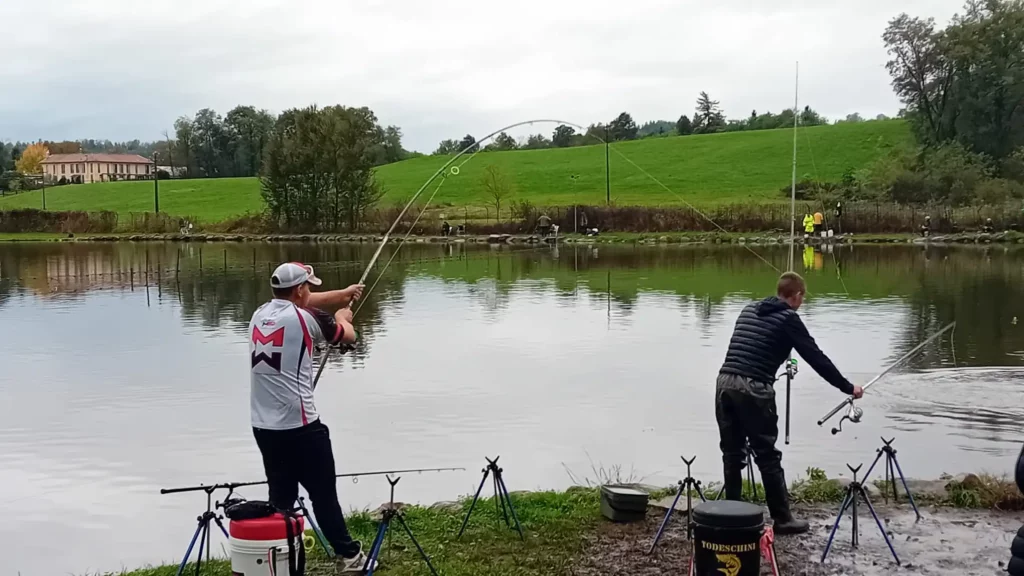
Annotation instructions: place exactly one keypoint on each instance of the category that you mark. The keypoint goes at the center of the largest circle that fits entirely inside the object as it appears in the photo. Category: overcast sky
(125, 69)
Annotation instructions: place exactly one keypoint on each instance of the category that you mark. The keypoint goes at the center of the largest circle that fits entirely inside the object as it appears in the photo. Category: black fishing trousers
(304, 456)
(745, 410)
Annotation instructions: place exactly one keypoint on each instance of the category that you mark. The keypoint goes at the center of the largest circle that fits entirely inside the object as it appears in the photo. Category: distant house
(82, 168)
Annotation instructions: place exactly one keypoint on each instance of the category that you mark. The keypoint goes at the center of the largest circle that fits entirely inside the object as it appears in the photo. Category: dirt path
(945, 543)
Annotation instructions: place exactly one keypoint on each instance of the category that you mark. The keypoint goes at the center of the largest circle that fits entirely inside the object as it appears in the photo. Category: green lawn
(708, 169)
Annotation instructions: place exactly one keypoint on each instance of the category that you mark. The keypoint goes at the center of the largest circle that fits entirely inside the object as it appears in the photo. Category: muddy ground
(946, 542)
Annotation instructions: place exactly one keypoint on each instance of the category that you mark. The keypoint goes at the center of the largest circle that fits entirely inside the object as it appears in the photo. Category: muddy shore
(946, 542)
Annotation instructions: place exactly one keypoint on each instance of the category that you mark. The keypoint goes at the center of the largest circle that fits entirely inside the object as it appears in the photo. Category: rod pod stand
(389, 514)
(749, 465)
(316, 529)
(853, 491)
(202, 533)
(688, 484)
(891, 468)
(501, 498)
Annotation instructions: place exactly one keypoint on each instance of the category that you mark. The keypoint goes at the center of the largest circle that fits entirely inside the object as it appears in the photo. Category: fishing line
(690, 206)
(824, 210)
(399, 247)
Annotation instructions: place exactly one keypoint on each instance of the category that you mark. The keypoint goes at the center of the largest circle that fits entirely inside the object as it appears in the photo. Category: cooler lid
(624, 491)
(269, 528)
(728, 514)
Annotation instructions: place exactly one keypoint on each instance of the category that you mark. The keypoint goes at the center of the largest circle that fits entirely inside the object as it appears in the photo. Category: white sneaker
(353, 565)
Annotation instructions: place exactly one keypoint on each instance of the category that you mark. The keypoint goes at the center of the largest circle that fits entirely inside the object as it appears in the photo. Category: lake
(125, 371)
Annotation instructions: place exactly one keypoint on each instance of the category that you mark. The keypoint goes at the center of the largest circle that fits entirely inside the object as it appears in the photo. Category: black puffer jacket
(765, 333)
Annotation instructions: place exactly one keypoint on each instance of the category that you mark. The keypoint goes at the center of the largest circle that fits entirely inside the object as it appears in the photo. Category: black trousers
(745, 410)
(304, 456)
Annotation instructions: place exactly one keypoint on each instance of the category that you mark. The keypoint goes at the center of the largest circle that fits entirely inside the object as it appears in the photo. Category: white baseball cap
(292, 274)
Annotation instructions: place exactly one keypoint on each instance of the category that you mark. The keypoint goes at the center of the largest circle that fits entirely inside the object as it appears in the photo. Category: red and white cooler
(259, 547)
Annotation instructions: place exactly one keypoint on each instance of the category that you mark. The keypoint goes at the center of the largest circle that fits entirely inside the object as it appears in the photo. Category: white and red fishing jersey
(281, 339)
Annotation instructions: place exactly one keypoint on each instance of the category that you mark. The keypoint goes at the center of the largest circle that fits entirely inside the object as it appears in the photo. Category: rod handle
(835, 410)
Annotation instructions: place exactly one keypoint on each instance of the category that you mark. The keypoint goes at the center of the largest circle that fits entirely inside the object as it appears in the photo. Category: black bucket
(727, 538)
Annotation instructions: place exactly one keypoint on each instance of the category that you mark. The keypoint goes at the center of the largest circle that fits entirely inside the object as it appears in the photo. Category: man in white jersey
(295, 445)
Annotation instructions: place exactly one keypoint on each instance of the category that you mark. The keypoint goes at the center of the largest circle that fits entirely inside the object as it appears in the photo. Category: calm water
(563, 361)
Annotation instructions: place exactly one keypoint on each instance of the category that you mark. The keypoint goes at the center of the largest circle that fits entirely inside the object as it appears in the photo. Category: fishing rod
(230, 486)
(444, 170)
(855, 413)
(791, 364)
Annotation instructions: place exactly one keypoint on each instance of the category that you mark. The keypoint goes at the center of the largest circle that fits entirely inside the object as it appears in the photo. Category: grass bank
(735, 167)
(559, 525)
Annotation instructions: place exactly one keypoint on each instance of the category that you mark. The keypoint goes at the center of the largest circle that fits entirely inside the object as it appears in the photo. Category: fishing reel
(853, 415)
(791, 368)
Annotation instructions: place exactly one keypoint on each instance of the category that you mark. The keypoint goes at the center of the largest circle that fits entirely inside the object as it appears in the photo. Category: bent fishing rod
(230, 486)
(855, 413)
(387, 235)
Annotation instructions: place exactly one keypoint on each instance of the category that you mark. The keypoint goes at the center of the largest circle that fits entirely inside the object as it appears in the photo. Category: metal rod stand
(891, 468)
(688, 484)
(389, 514)
(853, 491)
(749, 465)
(316, 529)
(202, 535)
(501, 498)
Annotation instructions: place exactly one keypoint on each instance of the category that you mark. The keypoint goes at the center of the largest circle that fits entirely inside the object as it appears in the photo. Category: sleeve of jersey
(330, 331)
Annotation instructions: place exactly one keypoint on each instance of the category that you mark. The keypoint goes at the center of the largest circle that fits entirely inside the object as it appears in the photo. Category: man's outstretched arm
(335, 299)
(809, 351)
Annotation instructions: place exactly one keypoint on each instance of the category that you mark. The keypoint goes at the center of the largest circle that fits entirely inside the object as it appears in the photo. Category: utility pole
(156, 186)
(607, 171)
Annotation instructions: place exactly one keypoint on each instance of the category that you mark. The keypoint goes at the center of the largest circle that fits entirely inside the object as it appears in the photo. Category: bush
(32, 220)
(163, 175)
(810, 189)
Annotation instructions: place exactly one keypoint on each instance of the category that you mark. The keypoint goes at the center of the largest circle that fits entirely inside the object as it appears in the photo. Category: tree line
(708, 118)
(962, 88)
(204, 145)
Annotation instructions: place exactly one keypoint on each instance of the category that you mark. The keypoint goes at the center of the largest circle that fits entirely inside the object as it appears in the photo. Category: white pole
(792, 200)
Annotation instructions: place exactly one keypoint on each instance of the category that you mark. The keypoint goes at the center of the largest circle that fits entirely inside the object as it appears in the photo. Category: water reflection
(124, 371)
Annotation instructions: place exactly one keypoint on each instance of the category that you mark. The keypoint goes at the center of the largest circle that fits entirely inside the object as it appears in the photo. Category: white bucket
(823, 234)
(830, 234)
(252, 557)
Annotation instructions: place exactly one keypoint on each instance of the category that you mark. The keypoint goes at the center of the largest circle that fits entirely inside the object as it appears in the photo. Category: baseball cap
(292, 274)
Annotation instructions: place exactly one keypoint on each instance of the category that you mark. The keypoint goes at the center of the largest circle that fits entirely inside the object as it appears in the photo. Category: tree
(65, 147)
(922, 74)
(247, 131)
(622, 128)
(184, 134)
(853, 118)
(497, 186)
(467, 143)
(683, 126)
(318, 173)
(563, 136)
(881, 117)
(709, 117)
(31, 159)
(811, 118)
(503, 142)
(447, 147)
(536, 142)
(390, 149)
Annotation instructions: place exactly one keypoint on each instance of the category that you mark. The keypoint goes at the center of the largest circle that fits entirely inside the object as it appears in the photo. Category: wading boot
(777, 496)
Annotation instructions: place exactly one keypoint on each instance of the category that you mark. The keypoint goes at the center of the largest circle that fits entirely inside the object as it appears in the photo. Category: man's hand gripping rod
(855, 413)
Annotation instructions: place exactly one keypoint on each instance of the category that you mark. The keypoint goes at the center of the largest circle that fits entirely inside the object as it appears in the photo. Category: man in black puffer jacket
(765, 334)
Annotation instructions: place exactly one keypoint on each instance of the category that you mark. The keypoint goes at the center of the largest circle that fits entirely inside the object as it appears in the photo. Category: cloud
(122, 69)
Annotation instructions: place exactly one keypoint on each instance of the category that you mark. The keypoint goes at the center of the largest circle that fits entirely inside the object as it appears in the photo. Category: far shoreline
(622, 238)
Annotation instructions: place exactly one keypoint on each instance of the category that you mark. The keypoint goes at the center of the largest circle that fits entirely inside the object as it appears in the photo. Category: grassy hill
(705, 170)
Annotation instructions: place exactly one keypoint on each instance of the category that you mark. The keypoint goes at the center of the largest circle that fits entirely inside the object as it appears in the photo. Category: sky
(124, 69)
